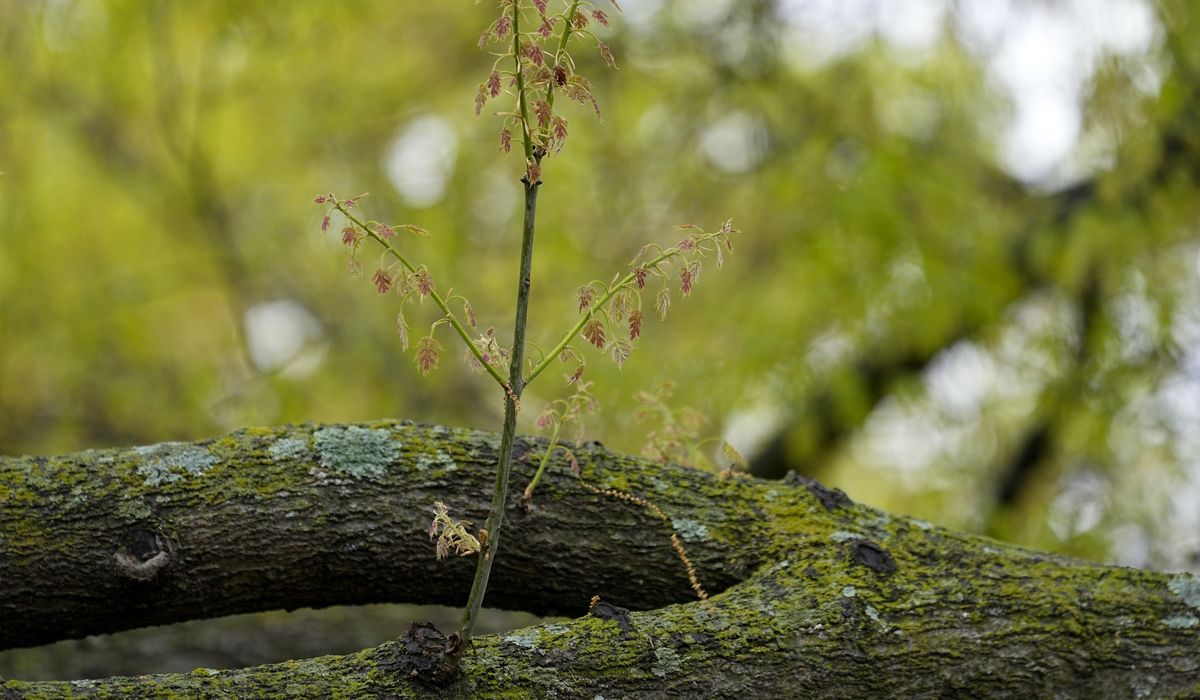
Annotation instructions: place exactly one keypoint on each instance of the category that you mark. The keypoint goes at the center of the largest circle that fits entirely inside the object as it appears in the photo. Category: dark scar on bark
(872, 556)
(143, 555)
(832, 499)
(425, 655)
(607, 611)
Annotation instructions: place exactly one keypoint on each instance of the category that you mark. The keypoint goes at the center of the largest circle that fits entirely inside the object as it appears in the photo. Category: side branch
(437, 298)
(591, 311)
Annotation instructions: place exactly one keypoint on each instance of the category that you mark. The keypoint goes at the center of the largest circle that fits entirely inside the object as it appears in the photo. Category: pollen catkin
(676, 542)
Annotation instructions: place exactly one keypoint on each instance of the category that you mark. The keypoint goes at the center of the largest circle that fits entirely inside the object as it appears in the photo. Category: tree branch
(821, 597)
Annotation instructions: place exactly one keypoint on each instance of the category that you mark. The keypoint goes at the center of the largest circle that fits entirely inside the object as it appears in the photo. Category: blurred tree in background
(925, 314)
(967, 290)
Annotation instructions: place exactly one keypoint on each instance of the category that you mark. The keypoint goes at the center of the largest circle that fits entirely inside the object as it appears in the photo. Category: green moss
(617, 481)
(874, 615)
(359, 452)
(134, 509)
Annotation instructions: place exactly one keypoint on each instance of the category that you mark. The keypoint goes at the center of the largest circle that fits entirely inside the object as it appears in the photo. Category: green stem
(545, 461)
(562, 47)
(526, 131)
(575, 330)
(437, 298)
(516, 384)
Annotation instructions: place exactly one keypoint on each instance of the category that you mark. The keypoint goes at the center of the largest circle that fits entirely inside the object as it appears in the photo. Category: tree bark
(818, 597)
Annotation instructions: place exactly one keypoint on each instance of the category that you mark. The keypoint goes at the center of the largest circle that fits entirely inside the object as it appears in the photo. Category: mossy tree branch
(821, 597)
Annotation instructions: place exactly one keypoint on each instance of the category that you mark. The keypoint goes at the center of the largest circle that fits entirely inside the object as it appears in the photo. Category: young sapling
(534, 64)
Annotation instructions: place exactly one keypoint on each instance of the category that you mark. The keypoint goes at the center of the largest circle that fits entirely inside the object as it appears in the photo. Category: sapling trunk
(512, 405)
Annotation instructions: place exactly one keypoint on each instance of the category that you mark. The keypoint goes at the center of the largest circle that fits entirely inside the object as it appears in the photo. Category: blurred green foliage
(902, 317)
